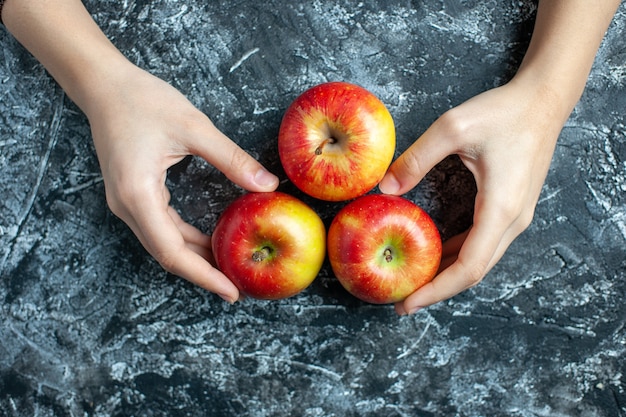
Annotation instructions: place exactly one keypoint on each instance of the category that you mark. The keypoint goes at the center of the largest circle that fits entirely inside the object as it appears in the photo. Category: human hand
(143, 127)
(506, 138)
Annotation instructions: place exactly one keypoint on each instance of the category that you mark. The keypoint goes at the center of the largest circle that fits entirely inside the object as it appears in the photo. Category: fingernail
(229, 299)
(400, 309)
(389, 184)
(265, 178)
(413, 310)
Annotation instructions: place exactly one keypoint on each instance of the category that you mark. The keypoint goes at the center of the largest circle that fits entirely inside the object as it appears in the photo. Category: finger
(455, 278)
(195, 240)
(196, 267)
(191, 234)
(221, 152)
(452, 246)
(410, 167)
(451, 249)
(159, 233)
(485, 243)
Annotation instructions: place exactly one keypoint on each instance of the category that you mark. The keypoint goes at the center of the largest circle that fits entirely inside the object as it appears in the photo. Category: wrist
(97, 80)
(69, 44)
(562, 49)
(553, 95)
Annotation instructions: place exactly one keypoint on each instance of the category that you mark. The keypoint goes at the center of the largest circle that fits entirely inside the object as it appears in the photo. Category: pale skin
(141, 126)
(506, 138)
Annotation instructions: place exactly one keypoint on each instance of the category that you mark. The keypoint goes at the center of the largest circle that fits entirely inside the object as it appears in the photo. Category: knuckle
(197, 123)
(455, 125)
(475, 272)
(113, 202)
(117, 198)
(461, 130)
(166, 258)
(124, 196)
(516, 213)
(525, 219)
(410, 164)
(507, 209)
(238, 160)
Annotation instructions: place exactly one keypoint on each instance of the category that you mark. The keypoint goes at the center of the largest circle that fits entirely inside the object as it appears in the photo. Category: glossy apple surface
(382, 248)
(270, 245)
(336, 141)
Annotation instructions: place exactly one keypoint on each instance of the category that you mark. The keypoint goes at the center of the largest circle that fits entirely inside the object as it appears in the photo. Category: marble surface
(91, 325)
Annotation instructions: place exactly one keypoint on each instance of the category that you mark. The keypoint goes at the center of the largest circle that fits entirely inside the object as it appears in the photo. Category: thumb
(410, 167)
(234, 162)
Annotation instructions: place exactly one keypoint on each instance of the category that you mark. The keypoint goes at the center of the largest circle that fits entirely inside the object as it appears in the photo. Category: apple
(382, 248)
(336, 141)
(270, 245)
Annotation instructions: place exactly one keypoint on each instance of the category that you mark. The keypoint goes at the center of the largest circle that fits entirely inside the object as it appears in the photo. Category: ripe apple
(336, 141)
(270, 245)
(382, 248)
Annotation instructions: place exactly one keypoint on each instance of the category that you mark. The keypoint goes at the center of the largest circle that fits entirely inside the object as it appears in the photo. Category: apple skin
(270, 245)
(336, 141)
(382, 248)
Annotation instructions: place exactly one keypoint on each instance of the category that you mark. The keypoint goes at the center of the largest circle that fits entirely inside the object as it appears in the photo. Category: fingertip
(422, 298)
(199, 272)
(413, 310)
(389, 184)
(265, 180)
(225, 290)
(402, 309)
(219, 284)
(399, 307)
(229, 298)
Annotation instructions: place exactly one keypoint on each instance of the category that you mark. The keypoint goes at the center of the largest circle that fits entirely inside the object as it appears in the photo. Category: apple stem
(261, 254)
(388, 255)
(318, 150)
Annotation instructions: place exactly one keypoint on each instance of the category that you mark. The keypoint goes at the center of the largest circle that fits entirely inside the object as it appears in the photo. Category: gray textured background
(91, 326)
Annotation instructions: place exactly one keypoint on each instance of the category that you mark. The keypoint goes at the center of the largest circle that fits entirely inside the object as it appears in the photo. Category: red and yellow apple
(382, 248)
(336, 141)
(270, 245)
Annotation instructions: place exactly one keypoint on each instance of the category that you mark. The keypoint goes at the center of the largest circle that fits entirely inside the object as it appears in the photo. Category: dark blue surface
(91, 325)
